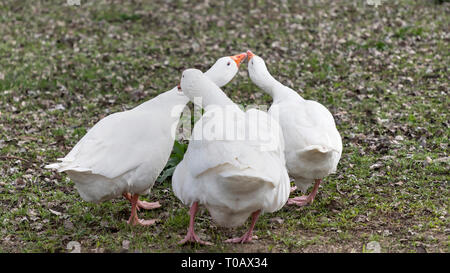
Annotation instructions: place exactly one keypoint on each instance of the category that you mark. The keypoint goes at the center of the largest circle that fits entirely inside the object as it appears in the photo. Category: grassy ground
(382, 72)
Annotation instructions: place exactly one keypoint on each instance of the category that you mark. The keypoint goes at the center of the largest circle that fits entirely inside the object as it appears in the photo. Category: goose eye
(228, 63)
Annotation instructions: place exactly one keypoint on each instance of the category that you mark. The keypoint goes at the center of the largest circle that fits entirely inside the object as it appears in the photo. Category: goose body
(313, 145)
(233, 176)
(125, 152)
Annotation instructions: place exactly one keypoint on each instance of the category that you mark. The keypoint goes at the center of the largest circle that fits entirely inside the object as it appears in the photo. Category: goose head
(194, 84)
(257, 70)
(202, 91)
(225, 68)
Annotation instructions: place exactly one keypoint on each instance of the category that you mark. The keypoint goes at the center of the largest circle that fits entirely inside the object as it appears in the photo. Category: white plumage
(232, 178)
(126, 151)
(313, 145)
(232, 174)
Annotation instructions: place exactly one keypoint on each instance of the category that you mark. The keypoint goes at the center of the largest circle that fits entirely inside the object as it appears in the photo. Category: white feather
(126, 151)
(313, 145)
(231, 177)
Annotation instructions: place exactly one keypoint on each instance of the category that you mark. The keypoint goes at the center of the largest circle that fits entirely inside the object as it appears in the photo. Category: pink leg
(143, 204)
(304, 200)
(191, 236)
(247, 237)
(134, 220)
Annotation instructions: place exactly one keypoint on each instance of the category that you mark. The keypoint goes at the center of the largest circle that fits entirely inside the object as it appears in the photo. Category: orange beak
(238, 58)
(179, 88)
(250, 55)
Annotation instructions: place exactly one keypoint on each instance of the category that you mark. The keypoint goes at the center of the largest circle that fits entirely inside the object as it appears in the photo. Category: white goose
(125, 152)
(313, 144)
(232, 174)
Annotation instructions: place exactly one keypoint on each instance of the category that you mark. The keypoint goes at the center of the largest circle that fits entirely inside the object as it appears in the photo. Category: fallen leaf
(55, 212)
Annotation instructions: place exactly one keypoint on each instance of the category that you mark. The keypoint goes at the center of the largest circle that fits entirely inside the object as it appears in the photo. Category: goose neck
(273, 87)
(218, 98)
